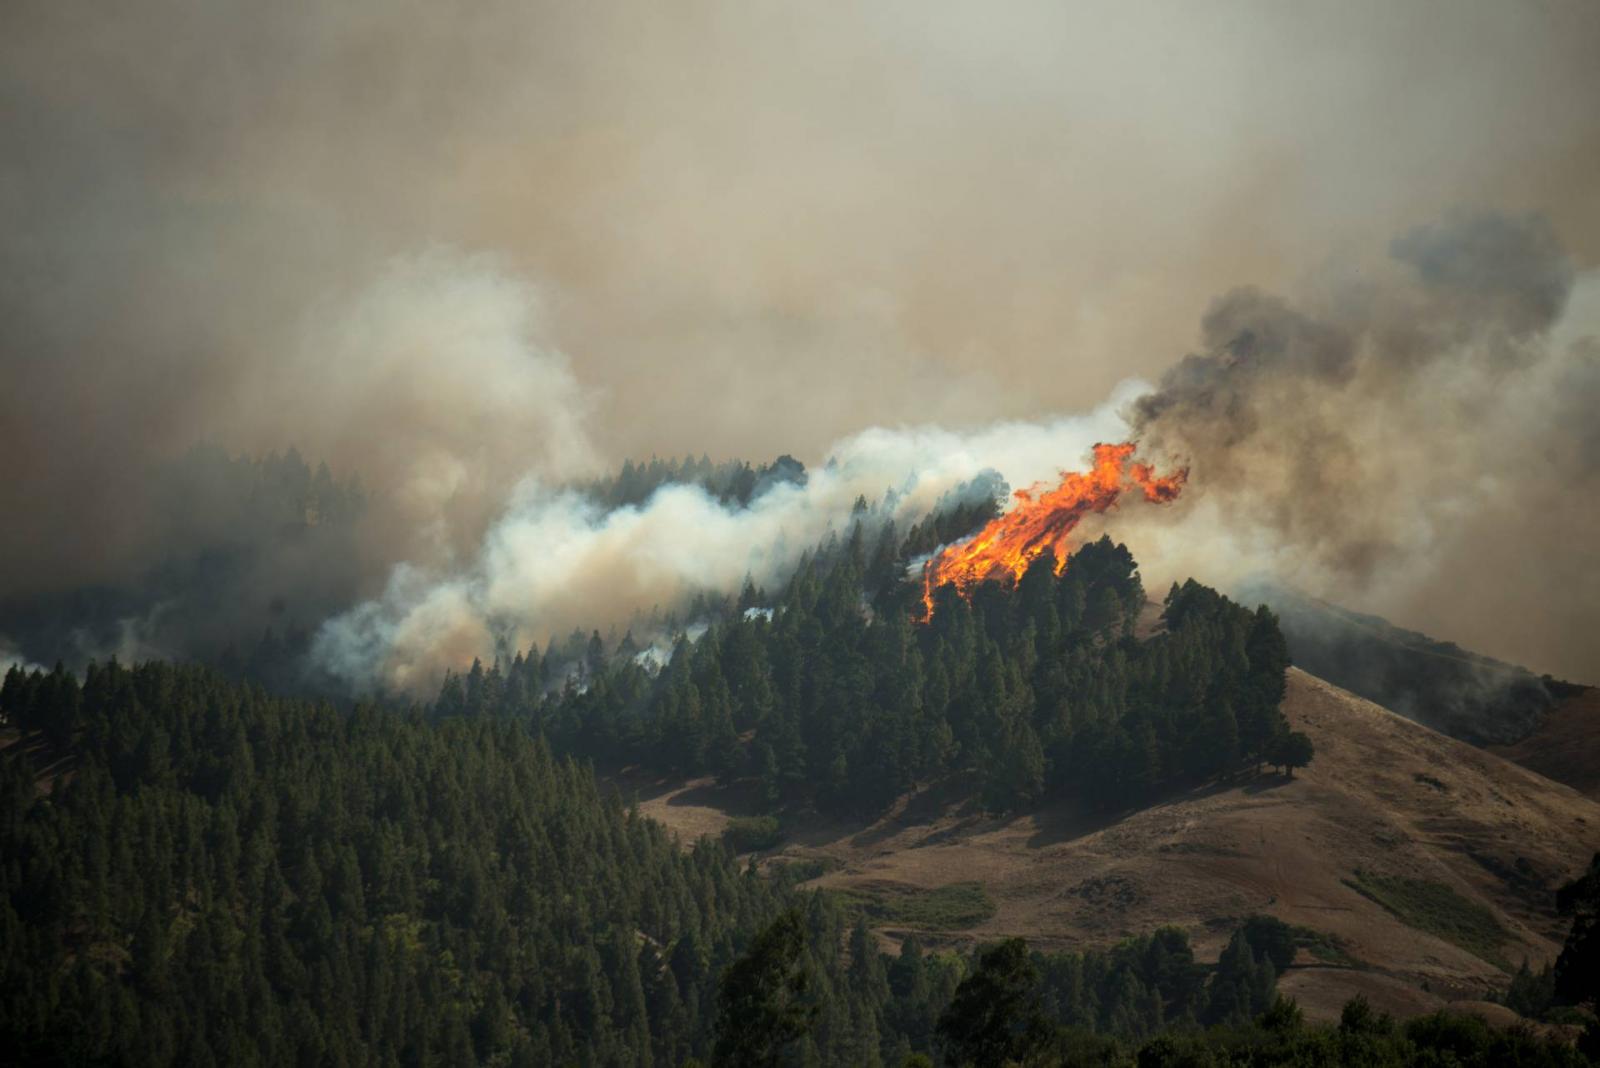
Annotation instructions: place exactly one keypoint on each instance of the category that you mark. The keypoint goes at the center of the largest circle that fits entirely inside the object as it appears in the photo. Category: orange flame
(1042, 520)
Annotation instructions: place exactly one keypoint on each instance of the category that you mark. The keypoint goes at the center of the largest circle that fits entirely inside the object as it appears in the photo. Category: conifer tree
(764, 998)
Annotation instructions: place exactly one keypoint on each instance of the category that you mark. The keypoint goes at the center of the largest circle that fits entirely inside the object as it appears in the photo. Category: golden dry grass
(1384, 795)
(688, 809)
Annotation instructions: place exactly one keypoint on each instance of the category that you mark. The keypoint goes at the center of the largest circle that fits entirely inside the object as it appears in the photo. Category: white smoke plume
(435, 377)
(555, 560)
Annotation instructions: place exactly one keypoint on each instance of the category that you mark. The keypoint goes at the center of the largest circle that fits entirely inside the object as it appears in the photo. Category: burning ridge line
(1043, 520)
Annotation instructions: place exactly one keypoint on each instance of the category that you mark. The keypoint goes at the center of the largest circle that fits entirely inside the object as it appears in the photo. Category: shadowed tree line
(1145, 1003)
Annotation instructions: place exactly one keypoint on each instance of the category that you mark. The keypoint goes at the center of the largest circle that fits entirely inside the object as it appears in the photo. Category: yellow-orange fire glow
(1043, 519)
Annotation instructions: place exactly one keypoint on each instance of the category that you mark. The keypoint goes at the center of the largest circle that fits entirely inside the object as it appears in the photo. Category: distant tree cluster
(1014, 1002)
(732, 482)
(244, 492)
(834, 697)
(245, 556)
(958, 518)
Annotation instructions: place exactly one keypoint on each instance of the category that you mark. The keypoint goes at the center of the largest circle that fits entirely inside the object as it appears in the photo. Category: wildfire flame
(1043, 519)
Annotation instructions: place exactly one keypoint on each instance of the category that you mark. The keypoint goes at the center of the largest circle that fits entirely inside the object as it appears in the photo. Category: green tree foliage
(1359, 1018)
(764, 998)
(1290, 751)
(731, 482)
(832, 697)
(1281, 1037)
(1284, 1016)
(1133, 990)
(1243, 985)
(1530, 993)
(1577, 971)
(963, 511)
(994, 1017)
(752, 833)
(1273, 939)
(221, 877)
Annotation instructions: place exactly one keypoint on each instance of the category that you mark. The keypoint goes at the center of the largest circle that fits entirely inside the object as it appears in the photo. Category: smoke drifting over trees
(1422, 442)
(557, 559)
(1376, 441)
(474, 255)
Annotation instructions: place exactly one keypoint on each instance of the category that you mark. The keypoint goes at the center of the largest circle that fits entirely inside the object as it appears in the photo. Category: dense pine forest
(830, 695)
(195, 871)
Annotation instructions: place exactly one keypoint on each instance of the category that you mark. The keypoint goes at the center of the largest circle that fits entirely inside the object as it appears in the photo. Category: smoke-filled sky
(448, 246)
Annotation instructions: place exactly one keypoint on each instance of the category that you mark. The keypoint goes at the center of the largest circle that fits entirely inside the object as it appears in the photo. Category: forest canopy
(828, 695)
(196, 870)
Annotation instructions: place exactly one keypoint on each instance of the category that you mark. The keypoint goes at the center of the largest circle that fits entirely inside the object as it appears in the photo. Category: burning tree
(1043, 521)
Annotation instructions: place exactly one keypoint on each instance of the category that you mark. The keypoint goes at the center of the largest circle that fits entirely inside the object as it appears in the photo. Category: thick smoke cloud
(437, 375)
(1423, 447)
(1376, 444)
(1492, 273)
(755, 231)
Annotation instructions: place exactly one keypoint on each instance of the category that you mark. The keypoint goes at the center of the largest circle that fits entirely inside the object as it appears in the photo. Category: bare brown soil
(1384, 795)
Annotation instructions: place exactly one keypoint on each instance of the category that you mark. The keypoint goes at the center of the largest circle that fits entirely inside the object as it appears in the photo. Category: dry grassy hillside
(1464, 846)
(1566, 744)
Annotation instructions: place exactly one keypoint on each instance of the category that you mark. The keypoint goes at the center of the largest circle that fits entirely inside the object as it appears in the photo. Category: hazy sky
(445, 244)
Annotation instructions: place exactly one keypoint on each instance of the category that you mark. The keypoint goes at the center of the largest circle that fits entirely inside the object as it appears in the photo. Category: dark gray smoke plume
(1424, 445)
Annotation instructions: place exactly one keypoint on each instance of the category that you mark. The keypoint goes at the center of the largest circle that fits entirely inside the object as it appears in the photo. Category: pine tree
(764, 999)
(994, 1017)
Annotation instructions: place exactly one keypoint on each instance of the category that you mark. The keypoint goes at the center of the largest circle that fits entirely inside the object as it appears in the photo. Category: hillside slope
(1463, 693)
(1550, 726)
(1412, 815)
(1565, 746)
